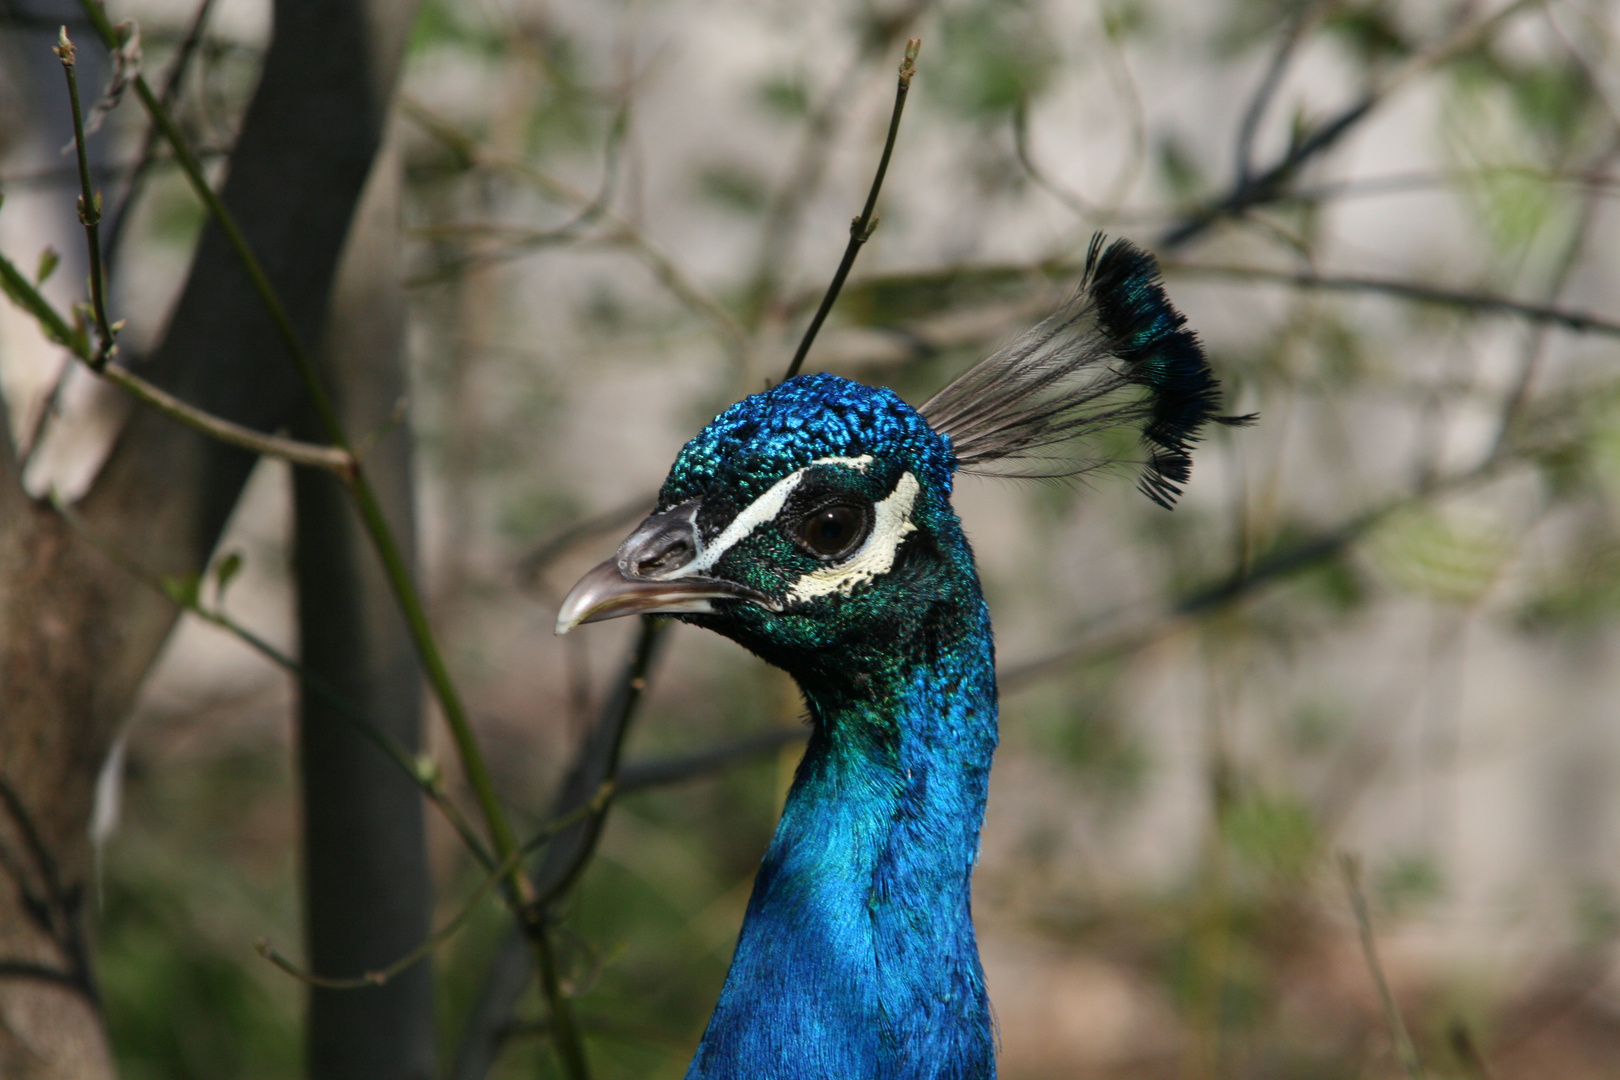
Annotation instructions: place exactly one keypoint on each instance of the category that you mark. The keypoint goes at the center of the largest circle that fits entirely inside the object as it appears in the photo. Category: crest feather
(1116, 354)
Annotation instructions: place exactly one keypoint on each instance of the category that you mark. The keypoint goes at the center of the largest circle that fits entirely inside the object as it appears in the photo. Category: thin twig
(1405, 1052)
(57, 910)
(333, 459)
(618, 231)
(520, 239)
(172, 82)
(596, 763)
(1467, 1052)
(422, 770)
(662, 772)
(1581, 321)
(1077, 204)
(89, 210)
(541, 555)
(1108, 639)
(860, 229)
(22, 969)
(495, 877)
(1287, 46)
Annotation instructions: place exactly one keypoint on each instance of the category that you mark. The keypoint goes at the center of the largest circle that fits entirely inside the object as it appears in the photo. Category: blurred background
(1381, 623)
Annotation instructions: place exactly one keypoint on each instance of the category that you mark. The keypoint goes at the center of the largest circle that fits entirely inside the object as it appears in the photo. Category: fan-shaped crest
(1116, 354)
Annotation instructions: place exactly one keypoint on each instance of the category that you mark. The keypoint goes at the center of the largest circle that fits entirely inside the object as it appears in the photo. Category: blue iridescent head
(804, 522)
(812, 523)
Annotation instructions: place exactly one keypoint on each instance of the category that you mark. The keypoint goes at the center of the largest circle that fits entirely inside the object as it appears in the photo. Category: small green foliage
(1181, 170)
(48, 259)
(1272, 833)
(224, 571)
(172, 212)
(1124, 19)
(1597, 912)
(537, 512)
(1425, 551)
(1314, 727)
(994, 54)
(184, 589)
(785, 96)
(1342, 359)
(1369, 30)
(733, 186)
(442, 22)
(1581, 592)
(1411, 881)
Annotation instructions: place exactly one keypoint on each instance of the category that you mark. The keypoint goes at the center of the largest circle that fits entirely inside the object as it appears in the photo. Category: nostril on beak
(674, 553)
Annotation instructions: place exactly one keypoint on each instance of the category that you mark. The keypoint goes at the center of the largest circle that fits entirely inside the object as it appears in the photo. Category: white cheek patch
(890, 524)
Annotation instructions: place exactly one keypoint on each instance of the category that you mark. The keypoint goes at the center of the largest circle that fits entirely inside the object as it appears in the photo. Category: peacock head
(802, 522)
(812, 523)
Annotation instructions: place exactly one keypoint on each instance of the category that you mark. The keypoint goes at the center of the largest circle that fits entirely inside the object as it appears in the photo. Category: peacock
(812, 524)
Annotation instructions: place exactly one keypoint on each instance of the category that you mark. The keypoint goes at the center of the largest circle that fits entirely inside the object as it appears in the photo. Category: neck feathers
(857, 957)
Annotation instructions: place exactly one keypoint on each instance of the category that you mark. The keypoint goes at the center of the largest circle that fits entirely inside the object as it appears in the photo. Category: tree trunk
(77, 632)
(367, 889)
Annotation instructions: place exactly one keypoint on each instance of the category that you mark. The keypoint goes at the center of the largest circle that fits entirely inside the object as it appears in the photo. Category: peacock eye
(831, 531)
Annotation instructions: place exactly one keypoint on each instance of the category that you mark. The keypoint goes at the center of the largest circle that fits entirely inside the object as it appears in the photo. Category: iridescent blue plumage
(812, 524)
(857, 957)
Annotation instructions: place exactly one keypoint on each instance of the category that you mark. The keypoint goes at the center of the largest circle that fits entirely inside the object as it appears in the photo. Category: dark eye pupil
(831, 530)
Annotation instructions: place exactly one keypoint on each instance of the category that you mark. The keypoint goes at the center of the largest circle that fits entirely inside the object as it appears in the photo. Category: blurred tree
(78, 631)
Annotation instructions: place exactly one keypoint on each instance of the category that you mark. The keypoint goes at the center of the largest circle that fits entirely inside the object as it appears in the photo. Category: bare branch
(89, 212)
(860, 230)
(1252, 189)
(441, 936)
(644, 775)
(1405, 1052)
(1580, 321)
(541, 555)
(172, 83)
(333, 459)
(619, 231)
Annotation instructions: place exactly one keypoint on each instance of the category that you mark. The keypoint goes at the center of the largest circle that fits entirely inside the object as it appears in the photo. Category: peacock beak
(657, 570)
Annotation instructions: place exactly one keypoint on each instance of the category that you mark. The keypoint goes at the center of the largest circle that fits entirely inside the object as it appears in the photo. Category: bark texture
(367, 889)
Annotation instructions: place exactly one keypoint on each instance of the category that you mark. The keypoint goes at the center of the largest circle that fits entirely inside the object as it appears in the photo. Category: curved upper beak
(653, 572)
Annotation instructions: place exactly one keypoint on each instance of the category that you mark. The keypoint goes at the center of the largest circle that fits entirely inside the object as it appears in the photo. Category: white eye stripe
(891, 522)
(763, 509)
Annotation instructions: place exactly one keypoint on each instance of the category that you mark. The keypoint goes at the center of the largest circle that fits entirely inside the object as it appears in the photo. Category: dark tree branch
(22, 969)
(1253, 189)
(662, 772)
(1287, 46)
(596, 764)
(542, 554)
(1580, 321)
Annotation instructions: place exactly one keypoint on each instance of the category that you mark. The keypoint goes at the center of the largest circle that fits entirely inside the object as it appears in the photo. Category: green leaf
(1275, 833)
(224, 572)
(1426, 552)
(183, 590)
(47, 265)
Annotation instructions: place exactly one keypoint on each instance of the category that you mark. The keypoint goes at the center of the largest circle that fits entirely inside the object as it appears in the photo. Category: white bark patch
(891, 522)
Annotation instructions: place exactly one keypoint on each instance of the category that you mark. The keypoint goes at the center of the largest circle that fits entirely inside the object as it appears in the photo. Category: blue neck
(857, 957)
